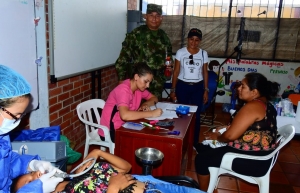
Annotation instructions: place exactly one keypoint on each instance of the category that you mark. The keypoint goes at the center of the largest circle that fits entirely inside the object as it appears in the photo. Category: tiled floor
(285, 175)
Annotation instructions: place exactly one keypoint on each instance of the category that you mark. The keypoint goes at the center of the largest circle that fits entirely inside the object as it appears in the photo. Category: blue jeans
(158, 186)
(191, 95)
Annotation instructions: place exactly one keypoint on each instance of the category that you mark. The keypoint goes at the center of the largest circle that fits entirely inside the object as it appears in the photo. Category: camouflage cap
(154, 8)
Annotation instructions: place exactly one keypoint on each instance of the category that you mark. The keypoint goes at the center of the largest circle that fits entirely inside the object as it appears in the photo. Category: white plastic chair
(88, 113)
(286, 133)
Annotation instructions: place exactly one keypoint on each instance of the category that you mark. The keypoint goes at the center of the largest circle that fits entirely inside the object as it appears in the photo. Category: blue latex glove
(49, 181)
(42, 166)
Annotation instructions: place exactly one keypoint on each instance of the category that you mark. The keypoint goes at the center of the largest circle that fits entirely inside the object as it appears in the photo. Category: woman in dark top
(252, 131)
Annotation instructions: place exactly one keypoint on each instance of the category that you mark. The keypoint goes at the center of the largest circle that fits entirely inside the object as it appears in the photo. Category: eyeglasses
(12, 115)
(154, 16)
(191, 57)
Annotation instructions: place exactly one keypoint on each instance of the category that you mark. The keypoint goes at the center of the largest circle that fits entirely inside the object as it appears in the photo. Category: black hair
(265, 87)
(5, 103)
(141, 69)
(212, 64)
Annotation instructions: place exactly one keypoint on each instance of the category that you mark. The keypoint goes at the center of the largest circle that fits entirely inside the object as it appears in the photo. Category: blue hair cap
(12, 84)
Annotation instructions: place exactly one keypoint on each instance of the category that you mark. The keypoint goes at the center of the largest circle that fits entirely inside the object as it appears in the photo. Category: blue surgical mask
(8, 125)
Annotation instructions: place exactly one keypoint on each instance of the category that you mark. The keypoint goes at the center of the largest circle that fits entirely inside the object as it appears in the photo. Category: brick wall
(64, 96)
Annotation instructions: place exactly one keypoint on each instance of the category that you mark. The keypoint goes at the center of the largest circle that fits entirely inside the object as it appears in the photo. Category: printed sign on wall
(287, 74)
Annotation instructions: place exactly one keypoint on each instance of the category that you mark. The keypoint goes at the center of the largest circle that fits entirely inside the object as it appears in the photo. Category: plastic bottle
(279, 109)
(167, 71)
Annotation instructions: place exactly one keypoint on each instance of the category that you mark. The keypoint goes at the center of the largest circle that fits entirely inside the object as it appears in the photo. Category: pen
(172, 132)
(155, 105)
(146, 124)
(154, 127)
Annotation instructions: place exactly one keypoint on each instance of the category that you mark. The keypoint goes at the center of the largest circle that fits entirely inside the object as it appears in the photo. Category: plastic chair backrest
(285, 134)
(88, 113)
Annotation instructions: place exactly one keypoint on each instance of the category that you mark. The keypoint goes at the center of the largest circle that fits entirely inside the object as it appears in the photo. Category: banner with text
(287, 74)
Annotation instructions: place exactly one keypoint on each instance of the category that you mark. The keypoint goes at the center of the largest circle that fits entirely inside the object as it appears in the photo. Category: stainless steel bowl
(149, 156)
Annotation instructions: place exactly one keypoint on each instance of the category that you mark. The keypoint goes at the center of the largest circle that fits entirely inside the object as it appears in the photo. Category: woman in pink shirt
(124, 101)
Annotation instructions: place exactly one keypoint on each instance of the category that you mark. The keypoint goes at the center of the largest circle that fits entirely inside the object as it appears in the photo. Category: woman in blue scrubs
(14, 99)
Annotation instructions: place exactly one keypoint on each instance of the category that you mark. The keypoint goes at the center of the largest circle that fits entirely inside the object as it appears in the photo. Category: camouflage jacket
(145, 45)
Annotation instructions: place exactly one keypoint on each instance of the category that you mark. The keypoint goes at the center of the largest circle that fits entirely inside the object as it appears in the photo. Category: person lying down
(108, 175)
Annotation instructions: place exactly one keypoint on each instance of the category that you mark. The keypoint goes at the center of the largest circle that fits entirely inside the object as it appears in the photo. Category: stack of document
(169, 110)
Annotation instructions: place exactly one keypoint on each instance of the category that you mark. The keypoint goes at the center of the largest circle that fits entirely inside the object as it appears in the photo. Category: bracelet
(206, 89)
(222, 130)
(173, 89)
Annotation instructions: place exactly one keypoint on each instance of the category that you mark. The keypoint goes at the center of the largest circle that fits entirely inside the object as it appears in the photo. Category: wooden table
(174, 148)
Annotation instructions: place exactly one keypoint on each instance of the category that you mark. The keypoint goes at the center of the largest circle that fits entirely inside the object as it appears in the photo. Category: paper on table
(169, 110)
(167, 114)
(134, 126)
(161, 105)
(172, 106)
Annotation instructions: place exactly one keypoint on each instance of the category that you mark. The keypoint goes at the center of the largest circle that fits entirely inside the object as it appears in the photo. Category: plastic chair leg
(264, 188)
(263, 184)
(213, 179)
(112, 149)
(86, 150)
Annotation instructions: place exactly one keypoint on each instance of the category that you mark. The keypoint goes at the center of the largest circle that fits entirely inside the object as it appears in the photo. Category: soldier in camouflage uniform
(149, 44)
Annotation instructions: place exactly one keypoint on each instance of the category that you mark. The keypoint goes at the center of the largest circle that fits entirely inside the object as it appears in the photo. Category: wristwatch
(207, 89)
(172, 89)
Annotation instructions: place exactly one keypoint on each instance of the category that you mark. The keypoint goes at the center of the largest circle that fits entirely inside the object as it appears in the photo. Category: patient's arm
(61, 186)
(251, 112)
(119, 182)
(121, 165)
